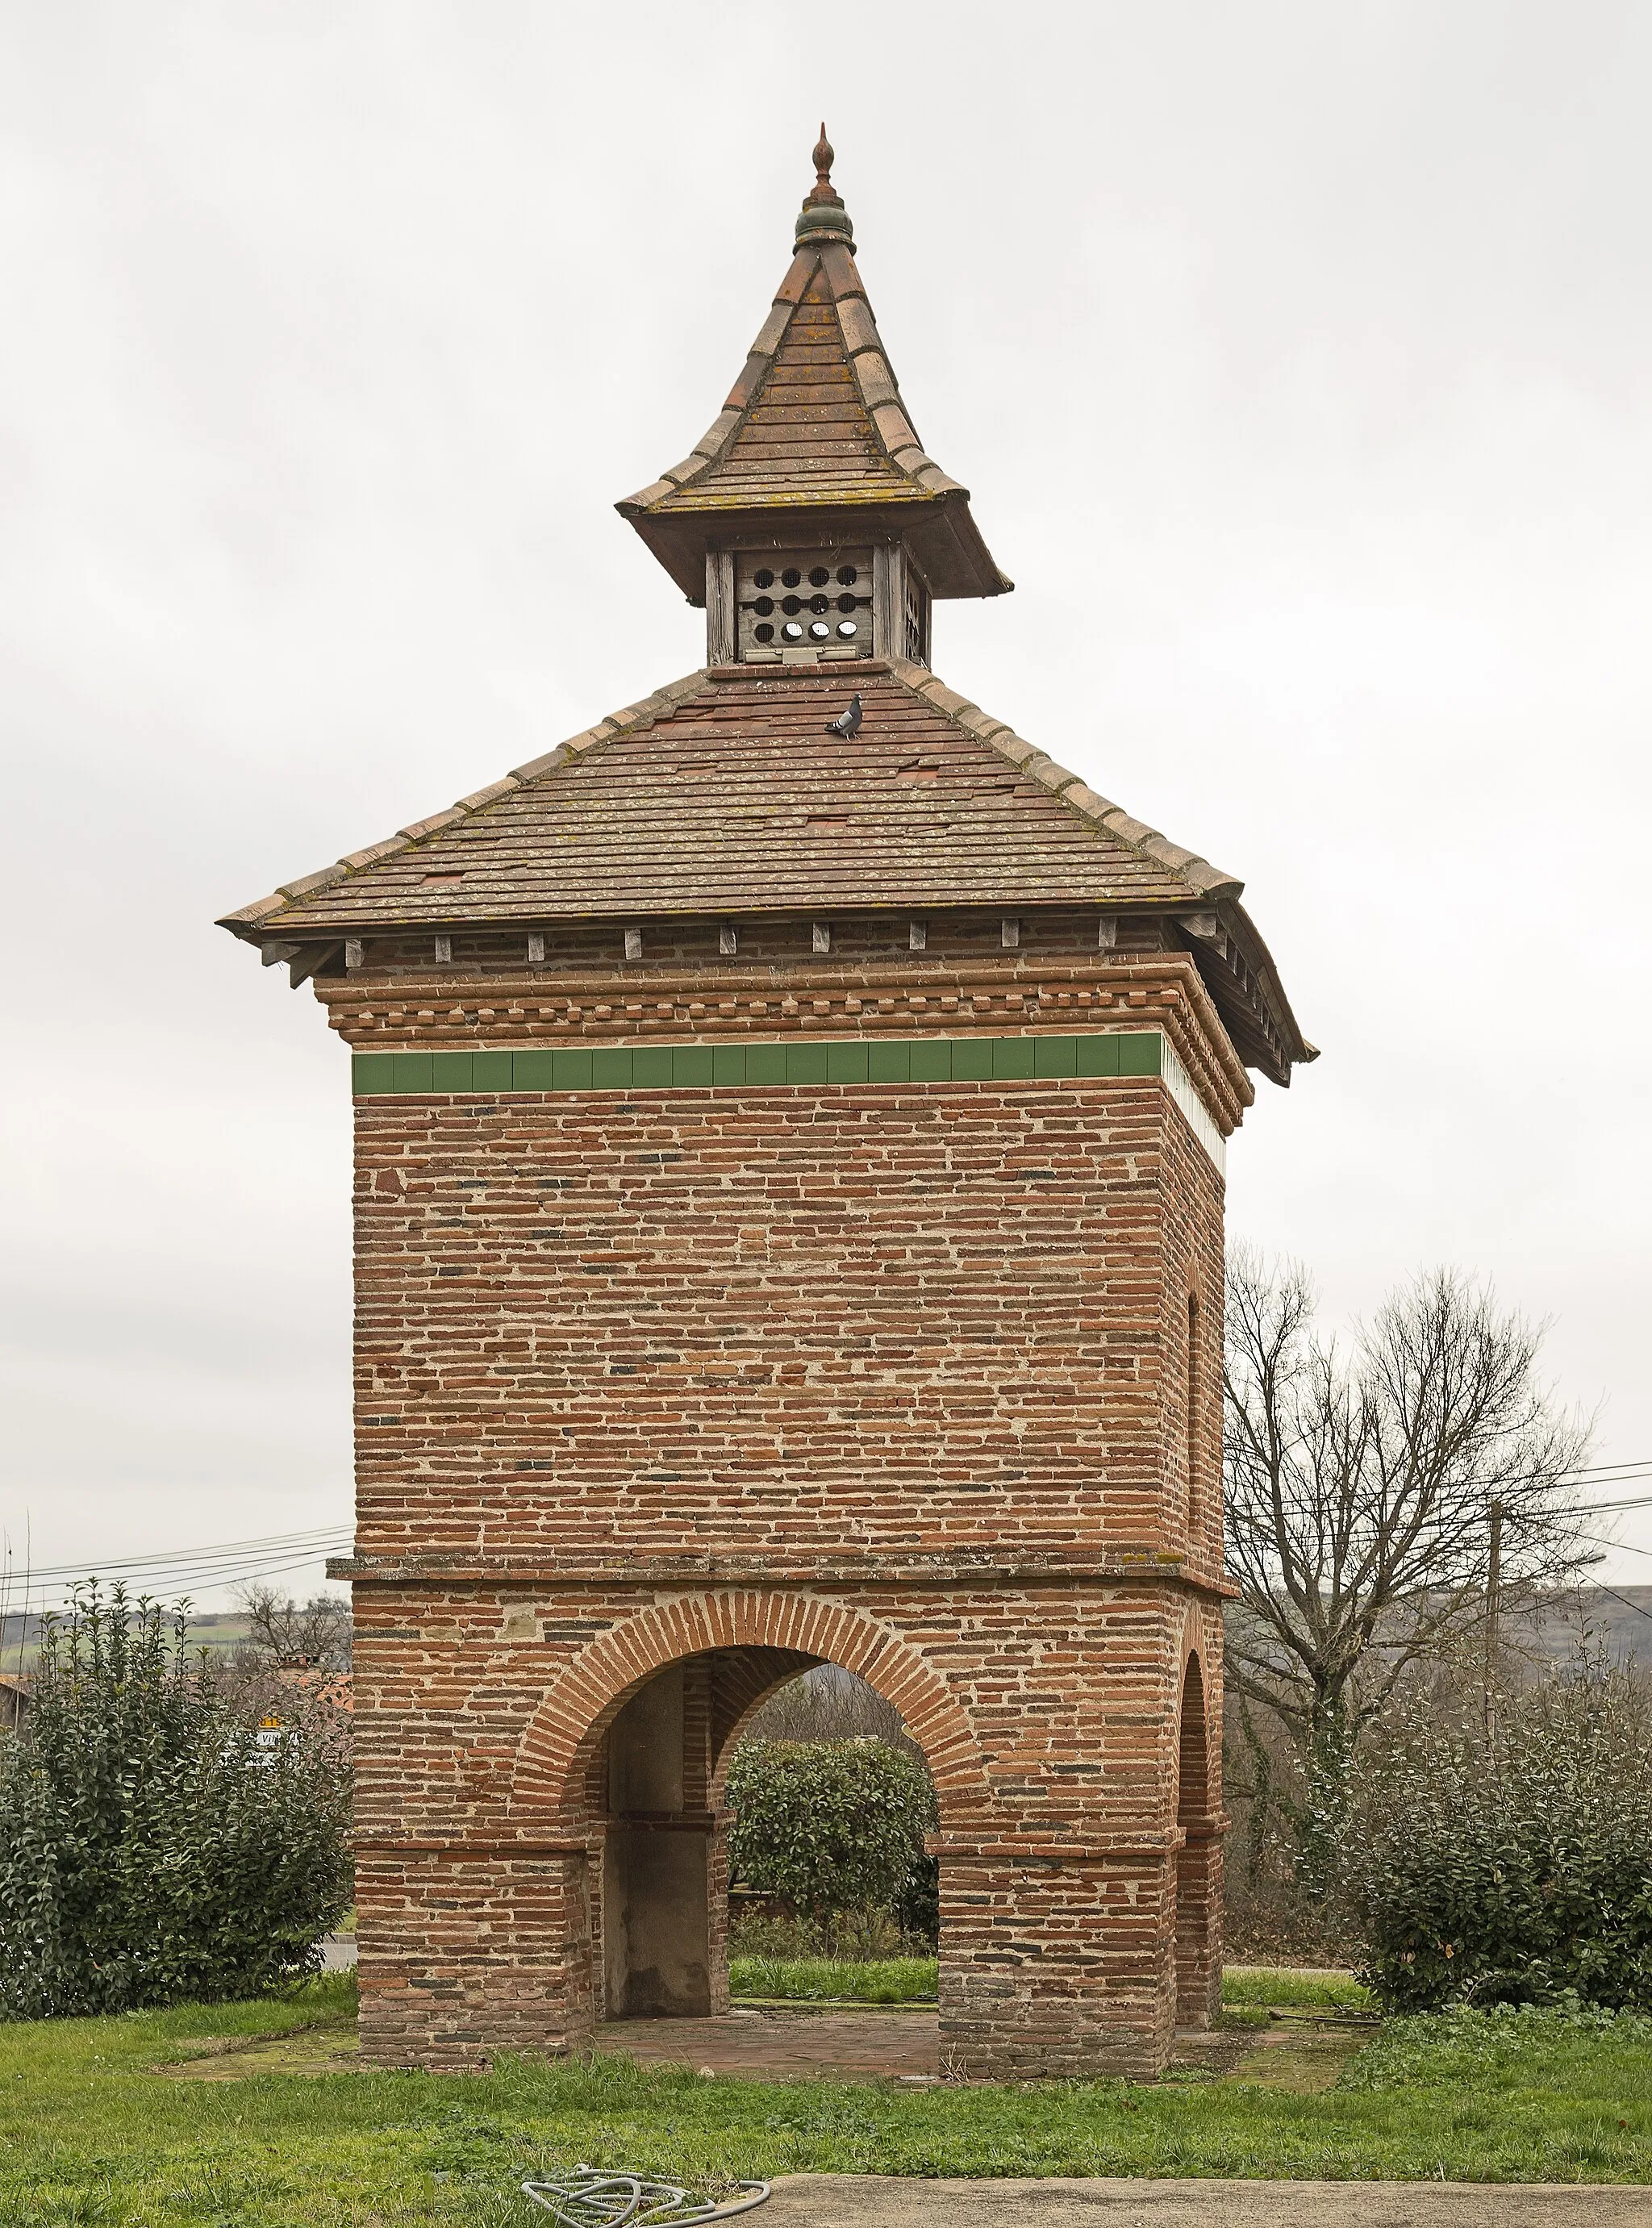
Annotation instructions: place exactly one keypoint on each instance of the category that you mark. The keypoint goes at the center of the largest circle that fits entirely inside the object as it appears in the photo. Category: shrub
(918, 1902)
(833, 1826)
(156, 1844)
(1513, 1869)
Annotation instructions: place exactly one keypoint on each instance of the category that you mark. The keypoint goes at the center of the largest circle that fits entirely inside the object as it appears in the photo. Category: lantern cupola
(808, 521)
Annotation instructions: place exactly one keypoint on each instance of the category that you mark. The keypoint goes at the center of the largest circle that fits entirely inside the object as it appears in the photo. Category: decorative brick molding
(1162, 996)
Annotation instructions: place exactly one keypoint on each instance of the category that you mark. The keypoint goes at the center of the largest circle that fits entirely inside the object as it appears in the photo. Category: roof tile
(417, 830)
(323, 877)
(355, 861)
(794, 284)
(779, 814)
(479, 798)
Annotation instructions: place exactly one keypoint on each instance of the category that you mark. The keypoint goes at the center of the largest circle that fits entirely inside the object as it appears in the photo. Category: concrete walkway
(845, 2200)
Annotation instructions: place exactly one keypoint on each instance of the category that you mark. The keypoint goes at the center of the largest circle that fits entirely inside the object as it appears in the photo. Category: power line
(1625, 1599)
(1618, 1546)
(176, 1571)
(271, 1554)
(179, 1559)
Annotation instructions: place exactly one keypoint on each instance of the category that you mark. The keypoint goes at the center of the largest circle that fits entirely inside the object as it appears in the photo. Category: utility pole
(1494, 1588)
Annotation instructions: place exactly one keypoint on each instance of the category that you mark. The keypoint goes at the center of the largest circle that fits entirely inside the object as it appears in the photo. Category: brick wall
(893, 1376)
(929, 1320)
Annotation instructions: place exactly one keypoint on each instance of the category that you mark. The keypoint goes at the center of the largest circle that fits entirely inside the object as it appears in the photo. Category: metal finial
(824, 216)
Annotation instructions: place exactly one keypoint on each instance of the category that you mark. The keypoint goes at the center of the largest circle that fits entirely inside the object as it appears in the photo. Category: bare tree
(1381, 1503)
(829, 1704)
(283, 1635)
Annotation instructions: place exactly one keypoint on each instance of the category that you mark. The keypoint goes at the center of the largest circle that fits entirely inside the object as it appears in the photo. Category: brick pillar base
(1199, 1922)
(1055, 1969)
(717, 1914)
(468, 1951)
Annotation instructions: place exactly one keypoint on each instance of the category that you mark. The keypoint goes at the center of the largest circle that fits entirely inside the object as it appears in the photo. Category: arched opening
(1194, 1950)
(624, 1755)
(654, 1785)
(659, 1910)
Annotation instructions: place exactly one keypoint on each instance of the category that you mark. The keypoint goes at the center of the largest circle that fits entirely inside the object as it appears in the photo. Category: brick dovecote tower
(788, 1230)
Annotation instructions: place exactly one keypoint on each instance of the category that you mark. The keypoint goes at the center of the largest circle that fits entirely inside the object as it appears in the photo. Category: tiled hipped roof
(728, 793)
(725, 793)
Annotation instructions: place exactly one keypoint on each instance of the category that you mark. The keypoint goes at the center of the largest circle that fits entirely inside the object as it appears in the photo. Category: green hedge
(831, 1826)
(157, 1844)
(1510, 1870)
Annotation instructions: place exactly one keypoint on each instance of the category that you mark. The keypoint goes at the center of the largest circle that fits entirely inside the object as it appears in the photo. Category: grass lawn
(912, 1981)
(89, 2134)
(834, 1979)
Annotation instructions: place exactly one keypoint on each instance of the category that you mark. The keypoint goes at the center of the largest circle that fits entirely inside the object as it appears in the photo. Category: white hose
(588, 2198)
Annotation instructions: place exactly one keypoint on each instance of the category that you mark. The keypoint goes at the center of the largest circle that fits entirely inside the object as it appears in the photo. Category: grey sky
(1297, 356)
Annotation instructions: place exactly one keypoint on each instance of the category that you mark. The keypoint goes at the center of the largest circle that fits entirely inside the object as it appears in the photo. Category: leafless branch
(1359, 1487)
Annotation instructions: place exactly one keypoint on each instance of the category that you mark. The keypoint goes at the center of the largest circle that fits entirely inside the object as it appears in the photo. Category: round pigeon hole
(819, 577)
(791, 631)
(763, 577)
(792, 605)
(820, 630)
(846, 628)
(847, 576)
(846, 603)
(791, 578)
(763, 633)
(764, 606)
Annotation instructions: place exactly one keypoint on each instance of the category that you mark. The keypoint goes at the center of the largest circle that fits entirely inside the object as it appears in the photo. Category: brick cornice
(444, 1009)
(668, 1574)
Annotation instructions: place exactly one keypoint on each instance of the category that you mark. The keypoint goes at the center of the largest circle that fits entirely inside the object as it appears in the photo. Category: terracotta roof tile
(815, 419)
(725, 793)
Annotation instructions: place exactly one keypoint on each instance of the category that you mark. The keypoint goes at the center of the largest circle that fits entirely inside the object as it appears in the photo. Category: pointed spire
(824, 216)
(815, 427)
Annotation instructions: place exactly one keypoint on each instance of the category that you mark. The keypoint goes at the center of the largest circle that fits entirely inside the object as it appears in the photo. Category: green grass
(88, 2136)
(1287, 1985)
(912, 1981)
(835, 1980)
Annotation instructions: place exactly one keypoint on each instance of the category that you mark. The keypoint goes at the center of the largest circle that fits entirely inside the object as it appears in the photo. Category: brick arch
(552, 1756)
(1193, 1741)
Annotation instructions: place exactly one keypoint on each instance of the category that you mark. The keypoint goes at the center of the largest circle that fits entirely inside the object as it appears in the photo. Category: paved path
(779, 2044)
(844, 2200)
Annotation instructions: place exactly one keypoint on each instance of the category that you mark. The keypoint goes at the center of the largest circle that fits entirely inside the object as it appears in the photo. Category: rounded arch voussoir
(591, 1690)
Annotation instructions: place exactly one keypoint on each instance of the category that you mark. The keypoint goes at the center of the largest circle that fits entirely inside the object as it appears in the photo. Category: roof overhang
(937, 531)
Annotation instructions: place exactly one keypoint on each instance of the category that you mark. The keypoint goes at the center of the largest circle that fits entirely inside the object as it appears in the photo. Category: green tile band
(704, 1067)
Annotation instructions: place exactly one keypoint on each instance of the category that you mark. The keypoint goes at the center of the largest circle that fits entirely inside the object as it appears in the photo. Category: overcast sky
(1297, 355)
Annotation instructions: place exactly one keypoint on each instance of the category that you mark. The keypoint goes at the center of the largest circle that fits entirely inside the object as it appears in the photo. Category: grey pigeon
(847, 723)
